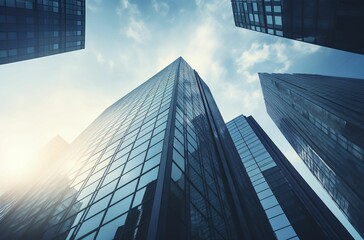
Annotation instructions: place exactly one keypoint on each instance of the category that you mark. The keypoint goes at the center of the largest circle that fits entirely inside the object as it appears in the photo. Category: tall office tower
(323, 119)
(47, 159)
(333, 23)
(157, 164)
(35, 28)
(292, 207)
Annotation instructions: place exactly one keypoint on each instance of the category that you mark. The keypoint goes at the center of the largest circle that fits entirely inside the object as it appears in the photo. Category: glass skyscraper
(157, 164)
(323, 119)
(333, 23)
(292, 207)
(35, 28)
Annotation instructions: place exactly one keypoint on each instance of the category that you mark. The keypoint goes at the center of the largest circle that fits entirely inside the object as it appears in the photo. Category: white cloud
(100, 58)
(136, 30)
(280, 53)
(257, 53)
(251, 100)
(202, 48)
(127, 7)
(161, 8)
(245, 98)
(276, 57)
(305, 48)
(93, 5)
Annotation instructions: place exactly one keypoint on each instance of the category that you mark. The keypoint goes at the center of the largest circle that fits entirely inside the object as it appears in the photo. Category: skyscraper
(292, 207)
(157, 164)
(34, 28)
(46, 160)
(323, 119)
(333, 23)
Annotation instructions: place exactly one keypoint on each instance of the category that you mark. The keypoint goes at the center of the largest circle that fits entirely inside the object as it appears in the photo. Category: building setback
(35, 28)
(157, 164)
(292, 207)
(333, 23)
(323, 119)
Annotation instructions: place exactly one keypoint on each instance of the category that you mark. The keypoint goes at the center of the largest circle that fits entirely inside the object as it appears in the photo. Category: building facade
(35, 28)
(323, 119)
(331, 23)
(157, 164)
(292, 207)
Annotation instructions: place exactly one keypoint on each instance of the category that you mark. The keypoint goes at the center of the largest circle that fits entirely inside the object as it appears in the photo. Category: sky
(127, 42)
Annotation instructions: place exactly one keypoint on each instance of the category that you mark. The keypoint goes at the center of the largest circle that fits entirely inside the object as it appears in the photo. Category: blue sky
(127, 42)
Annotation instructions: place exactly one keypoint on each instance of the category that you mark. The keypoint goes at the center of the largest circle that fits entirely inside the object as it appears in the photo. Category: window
(12, 35)
(256, 18)
(279, 221)
(3, 53)
(90, 224)
(124, 191)
(277, 9)
(148, 177)
(279, 33)
(269, 21)
(2, 35)
(13, 52)
(118, 208)
(28, 5)
(98, 206)
(10, 3)
(255, 7)
(108, 231)
(269, 202)
(30, 50)
(285, 233)
(278, 20)
(274, 211)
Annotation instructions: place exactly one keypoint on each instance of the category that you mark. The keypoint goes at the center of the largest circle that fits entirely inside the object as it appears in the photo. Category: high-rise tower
(323, 119)
(333, 23)
(292, 207)
(34, 28)
(157, 164)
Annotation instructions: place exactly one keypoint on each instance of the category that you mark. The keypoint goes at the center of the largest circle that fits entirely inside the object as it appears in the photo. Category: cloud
(202, 53)
(262, 53)
(161, 8)
(100, 58)
(257, 53)
(93, 5)
(135, 28)
(305, 48)
(127, 7)
(244, 98)
(275, 57)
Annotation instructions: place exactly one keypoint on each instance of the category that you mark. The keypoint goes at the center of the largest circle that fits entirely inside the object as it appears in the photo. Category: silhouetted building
(323, 119)
(292, 207)
(34, 28)
(333, 23)
(28, 197)
(157, 164)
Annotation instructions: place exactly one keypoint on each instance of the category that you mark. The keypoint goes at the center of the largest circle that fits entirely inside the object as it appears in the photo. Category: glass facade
(289, 203)
(322, 118)
(332, 23)
(36, 28)
(149, 167)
